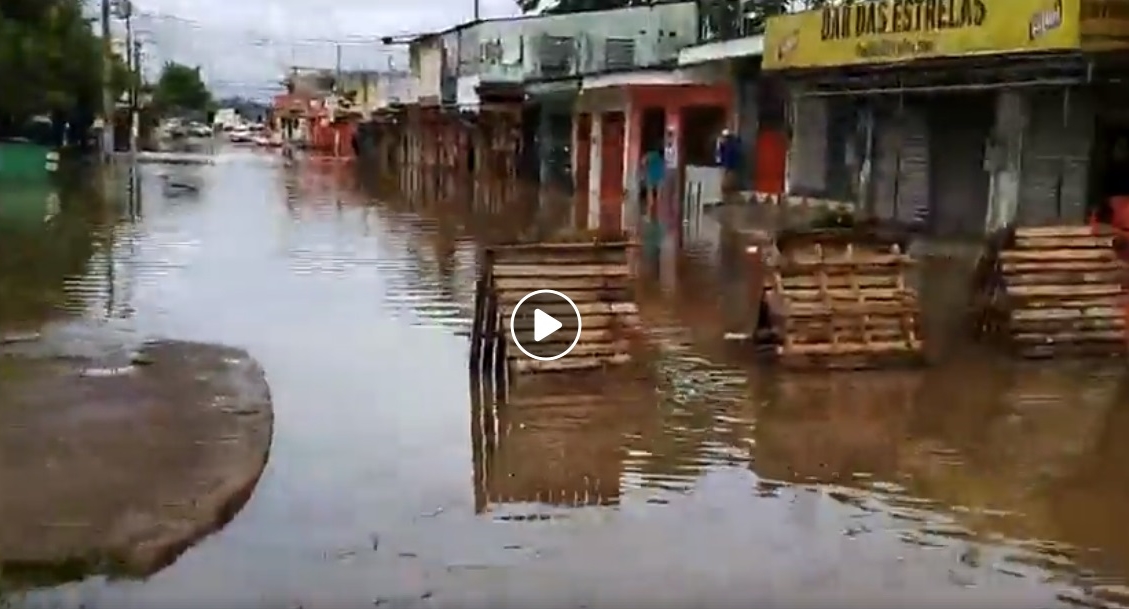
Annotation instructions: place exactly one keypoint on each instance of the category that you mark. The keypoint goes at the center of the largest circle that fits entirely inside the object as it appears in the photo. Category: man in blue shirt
(729, 159)
(653, 167)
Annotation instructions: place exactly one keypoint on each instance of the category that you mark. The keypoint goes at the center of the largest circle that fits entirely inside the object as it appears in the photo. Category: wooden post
(476, 341)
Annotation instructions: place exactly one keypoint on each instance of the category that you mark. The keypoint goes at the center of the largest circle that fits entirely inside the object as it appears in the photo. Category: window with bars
(556, 55)
(619, 53)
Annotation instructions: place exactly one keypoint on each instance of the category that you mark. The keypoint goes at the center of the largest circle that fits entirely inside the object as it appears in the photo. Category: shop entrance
(959, 127)
(1109, 169)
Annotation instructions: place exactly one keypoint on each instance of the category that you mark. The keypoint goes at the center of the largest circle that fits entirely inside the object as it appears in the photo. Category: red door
(771, 159)
(612, 131)
(582, 175)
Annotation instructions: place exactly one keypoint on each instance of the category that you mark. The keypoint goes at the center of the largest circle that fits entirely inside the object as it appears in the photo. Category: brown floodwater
(394, 481)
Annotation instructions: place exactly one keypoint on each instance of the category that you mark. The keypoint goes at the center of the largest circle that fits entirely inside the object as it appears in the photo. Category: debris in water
(139, 358)
(106, 372)
(19, 337)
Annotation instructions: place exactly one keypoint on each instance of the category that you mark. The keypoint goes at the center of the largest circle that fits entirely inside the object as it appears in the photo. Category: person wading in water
(654, 174)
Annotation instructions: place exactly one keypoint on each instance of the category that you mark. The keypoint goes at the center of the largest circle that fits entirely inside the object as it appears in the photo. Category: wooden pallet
(596, 275)
(1055, 291)
(844, 307)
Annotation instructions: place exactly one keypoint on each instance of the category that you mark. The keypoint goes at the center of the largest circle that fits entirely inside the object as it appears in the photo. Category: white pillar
(594, 172)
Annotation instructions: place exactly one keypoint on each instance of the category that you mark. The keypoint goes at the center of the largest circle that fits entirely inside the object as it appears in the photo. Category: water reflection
(48, 236)
(548, 448)
(975, 480)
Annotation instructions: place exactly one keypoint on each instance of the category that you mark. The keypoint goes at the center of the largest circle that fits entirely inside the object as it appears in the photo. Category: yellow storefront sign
(884, 31)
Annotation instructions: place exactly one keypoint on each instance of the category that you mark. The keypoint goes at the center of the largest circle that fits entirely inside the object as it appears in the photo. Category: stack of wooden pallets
(843, 306)
(596, 275)
(1055, 291)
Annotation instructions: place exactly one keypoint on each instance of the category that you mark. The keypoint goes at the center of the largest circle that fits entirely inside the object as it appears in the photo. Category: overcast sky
(245, 46)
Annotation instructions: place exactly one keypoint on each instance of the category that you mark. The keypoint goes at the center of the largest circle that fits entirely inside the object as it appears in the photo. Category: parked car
(240, 135)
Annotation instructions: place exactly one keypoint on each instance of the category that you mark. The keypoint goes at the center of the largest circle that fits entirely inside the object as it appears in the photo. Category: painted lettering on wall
(865, 20)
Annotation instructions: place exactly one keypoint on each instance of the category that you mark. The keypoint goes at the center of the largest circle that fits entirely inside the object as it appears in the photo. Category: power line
(273, 38)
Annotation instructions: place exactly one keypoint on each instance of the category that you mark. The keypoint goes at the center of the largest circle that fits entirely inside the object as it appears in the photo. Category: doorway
(583, 175)
(612, 145)
(1109, 173)
(959, 183)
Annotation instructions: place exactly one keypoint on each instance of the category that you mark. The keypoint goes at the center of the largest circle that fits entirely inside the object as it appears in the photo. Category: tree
(51, 59)
(181, 88)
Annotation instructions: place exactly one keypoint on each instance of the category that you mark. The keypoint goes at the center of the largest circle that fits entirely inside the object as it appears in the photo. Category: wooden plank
(841, 281)
(501, 271)
(840, 324)
(563, 245)
(1110, 263)
(585, 308)
(845, 348)
(591, 321)
(563, 257)
(569, 363)
(1036, 232)
(851, 296)
(1068, 291)
(800, 264)
(1079, 242)
(848, 337)
(581, 349)
(851, 308)
(1072, 303)
(1067, 277)
(587, 336)
(1067, 314)
(526, 285)
(1077, 336)
(1054, 255)
(589, 294)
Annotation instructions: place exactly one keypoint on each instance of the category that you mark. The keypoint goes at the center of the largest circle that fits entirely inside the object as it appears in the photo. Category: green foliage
(50, 58)
(181, 88)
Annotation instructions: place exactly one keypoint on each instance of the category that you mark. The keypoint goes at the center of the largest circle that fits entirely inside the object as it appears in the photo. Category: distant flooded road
(974, 483)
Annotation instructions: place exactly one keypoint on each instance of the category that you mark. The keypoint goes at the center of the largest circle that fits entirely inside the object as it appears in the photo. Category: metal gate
(901, 165)
(807, 150)
(1054, 163)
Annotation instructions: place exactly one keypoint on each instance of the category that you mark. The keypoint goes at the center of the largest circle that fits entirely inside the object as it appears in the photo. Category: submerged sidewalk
(117, 467)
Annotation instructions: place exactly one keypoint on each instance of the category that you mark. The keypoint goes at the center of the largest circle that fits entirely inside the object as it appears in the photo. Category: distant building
(226, 117)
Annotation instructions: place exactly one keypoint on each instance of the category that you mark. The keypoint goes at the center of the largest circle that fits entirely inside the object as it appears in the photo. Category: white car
(240, 135)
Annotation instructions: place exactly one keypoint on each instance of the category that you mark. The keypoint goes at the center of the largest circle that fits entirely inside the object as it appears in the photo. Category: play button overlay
(545, 325)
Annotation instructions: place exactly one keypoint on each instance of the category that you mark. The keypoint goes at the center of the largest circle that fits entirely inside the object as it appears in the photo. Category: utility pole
(107, 84)
(337, 79)
(135, 98)
(131, 62)
(477, 10)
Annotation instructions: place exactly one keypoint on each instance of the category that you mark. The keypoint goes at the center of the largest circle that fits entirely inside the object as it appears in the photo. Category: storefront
(958, 117)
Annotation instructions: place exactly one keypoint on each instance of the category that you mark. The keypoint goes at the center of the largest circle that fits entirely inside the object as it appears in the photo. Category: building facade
(960, 122)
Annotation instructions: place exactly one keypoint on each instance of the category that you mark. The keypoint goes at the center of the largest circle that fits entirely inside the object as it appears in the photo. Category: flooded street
(969, 483)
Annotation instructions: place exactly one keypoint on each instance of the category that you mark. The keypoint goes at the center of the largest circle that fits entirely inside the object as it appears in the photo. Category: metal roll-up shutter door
(884, 175)
(1076, 142)
(913, 168)
(807, 150)
(1055, 159)
(901, 165)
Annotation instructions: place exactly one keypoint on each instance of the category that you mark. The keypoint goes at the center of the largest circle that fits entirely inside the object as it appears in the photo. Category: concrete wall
(507, 50)
(393, 88)
(427, 69)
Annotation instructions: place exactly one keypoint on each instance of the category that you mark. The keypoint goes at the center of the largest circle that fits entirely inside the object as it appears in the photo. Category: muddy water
(392, 483)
